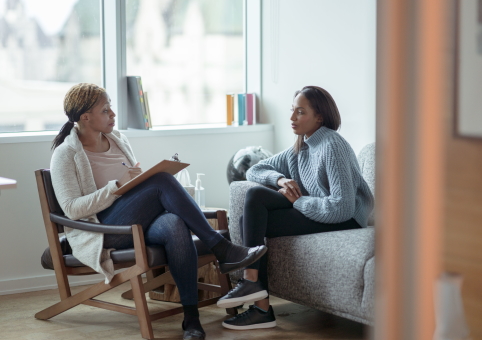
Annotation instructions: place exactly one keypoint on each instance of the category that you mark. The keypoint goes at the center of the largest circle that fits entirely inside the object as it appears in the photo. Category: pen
(124, 164)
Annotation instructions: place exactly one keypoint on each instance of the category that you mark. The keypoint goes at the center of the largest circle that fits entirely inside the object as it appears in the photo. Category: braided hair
(78, 100)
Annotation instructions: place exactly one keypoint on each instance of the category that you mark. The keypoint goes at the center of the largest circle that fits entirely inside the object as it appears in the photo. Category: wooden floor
(84, 322)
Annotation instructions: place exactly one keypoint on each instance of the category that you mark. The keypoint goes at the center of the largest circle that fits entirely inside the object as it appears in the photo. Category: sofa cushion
(366, 160)
(324, 271)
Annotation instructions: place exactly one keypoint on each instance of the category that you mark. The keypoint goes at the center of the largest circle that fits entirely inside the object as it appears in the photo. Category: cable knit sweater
(80, 199)
(327, 172)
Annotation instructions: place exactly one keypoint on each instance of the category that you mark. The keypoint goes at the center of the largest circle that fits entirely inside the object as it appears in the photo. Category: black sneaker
(253, 318)
(253, 255)
(193, 334)
(245, 291)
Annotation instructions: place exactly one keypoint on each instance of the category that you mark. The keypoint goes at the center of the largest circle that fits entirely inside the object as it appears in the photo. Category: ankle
(190, 311)
(251, 275)
(263, 304)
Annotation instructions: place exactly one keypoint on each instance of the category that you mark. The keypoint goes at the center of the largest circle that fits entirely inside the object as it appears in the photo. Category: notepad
(170, 167)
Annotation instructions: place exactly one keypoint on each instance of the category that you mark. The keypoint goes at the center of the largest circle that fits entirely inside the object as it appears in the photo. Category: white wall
(23, 236)
(328, 43)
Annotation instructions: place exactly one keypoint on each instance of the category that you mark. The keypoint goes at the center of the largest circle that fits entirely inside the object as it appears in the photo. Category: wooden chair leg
(165, 277)
(151, 284)
(86, 294)
(141, 308)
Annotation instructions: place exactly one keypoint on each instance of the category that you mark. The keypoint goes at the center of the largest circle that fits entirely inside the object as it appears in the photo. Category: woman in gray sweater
(319, 189)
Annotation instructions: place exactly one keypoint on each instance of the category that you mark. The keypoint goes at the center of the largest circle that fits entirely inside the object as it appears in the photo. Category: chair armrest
(237, 194)
(219, 215)
(210, 214)
(87, 226)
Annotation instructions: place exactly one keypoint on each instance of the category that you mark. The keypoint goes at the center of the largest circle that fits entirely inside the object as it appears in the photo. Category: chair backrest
(44, 183)
(366, 160)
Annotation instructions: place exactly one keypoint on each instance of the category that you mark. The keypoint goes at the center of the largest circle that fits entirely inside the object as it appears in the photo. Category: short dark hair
(323, 104)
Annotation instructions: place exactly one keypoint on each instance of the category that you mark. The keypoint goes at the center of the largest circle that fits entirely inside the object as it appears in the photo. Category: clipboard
(170, 167)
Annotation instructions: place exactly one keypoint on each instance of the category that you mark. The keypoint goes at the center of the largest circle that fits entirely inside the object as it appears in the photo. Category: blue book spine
(242, 108)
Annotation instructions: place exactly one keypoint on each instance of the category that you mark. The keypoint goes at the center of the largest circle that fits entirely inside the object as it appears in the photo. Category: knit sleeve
(269, 171)
(339, 205)
(67, 187)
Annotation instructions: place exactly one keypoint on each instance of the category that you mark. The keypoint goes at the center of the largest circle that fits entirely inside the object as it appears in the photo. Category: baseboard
(44, 282)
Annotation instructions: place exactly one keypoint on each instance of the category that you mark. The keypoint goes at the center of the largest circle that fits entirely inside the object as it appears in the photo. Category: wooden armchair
(139, 260)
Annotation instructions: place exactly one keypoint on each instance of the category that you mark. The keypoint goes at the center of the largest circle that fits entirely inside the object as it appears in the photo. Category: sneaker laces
(251, 307)
(240, 281)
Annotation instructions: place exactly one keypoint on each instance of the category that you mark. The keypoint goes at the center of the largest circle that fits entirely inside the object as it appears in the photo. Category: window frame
(114, 44)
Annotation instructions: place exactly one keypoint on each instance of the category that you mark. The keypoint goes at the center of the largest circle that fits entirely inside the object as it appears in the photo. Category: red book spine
(250, 108)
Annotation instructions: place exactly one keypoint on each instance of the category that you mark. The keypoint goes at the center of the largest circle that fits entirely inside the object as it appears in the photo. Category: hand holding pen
(133, 171)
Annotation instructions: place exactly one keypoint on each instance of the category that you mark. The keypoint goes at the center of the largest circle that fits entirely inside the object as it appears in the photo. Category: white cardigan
(75, 189)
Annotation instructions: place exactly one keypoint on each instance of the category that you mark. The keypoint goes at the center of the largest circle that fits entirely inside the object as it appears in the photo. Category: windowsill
(159, 131)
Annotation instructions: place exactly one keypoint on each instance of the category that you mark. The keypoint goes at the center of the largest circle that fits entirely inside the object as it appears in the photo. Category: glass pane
(45, 47)
(189, 54)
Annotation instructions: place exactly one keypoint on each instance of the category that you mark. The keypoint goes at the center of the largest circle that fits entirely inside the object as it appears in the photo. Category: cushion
(156, 255)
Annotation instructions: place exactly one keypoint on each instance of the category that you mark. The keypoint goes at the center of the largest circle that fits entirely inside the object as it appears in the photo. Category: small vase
(449, 310)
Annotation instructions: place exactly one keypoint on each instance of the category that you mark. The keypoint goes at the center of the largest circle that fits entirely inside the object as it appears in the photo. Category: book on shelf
(148, 111)
(241, 109)
(137, 114)
(251, 108)
(229, 108)
(235, 110)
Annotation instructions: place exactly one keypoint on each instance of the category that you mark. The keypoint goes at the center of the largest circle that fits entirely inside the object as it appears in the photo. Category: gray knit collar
(318, 136)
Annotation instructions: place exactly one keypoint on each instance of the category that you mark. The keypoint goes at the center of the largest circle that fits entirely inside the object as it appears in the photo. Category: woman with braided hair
(87, 168)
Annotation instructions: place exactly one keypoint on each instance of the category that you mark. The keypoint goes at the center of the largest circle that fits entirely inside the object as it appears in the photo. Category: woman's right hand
(132, 171)
(291, 187)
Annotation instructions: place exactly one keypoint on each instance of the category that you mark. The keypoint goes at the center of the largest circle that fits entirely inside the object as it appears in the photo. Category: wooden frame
(412, 105)
(133, 273)
(461, 91)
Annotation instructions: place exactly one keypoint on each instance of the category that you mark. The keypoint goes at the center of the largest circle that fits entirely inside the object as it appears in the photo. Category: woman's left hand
(286, 194)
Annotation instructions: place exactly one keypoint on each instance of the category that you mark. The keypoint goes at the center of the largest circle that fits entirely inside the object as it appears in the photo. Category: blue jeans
(167, 214)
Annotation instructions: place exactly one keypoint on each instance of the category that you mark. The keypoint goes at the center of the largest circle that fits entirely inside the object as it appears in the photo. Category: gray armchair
(333, 272)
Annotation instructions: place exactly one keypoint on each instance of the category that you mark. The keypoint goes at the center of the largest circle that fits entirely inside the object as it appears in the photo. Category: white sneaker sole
(230, 303)
(255, 326)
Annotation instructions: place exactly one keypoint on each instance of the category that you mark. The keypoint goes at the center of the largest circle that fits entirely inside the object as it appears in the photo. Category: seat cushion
(156, 255)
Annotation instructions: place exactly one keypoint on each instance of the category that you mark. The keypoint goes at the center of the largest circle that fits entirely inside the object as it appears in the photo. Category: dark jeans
(167, 214)
(267, 213)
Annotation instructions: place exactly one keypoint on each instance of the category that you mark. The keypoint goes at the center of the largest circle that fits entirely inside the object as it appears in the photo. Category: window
(189, 54)
(43, 52)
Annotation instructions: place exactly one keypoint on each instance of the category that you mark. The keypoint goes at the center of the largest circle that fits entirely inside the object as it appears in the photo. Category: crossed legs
(157, 205)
